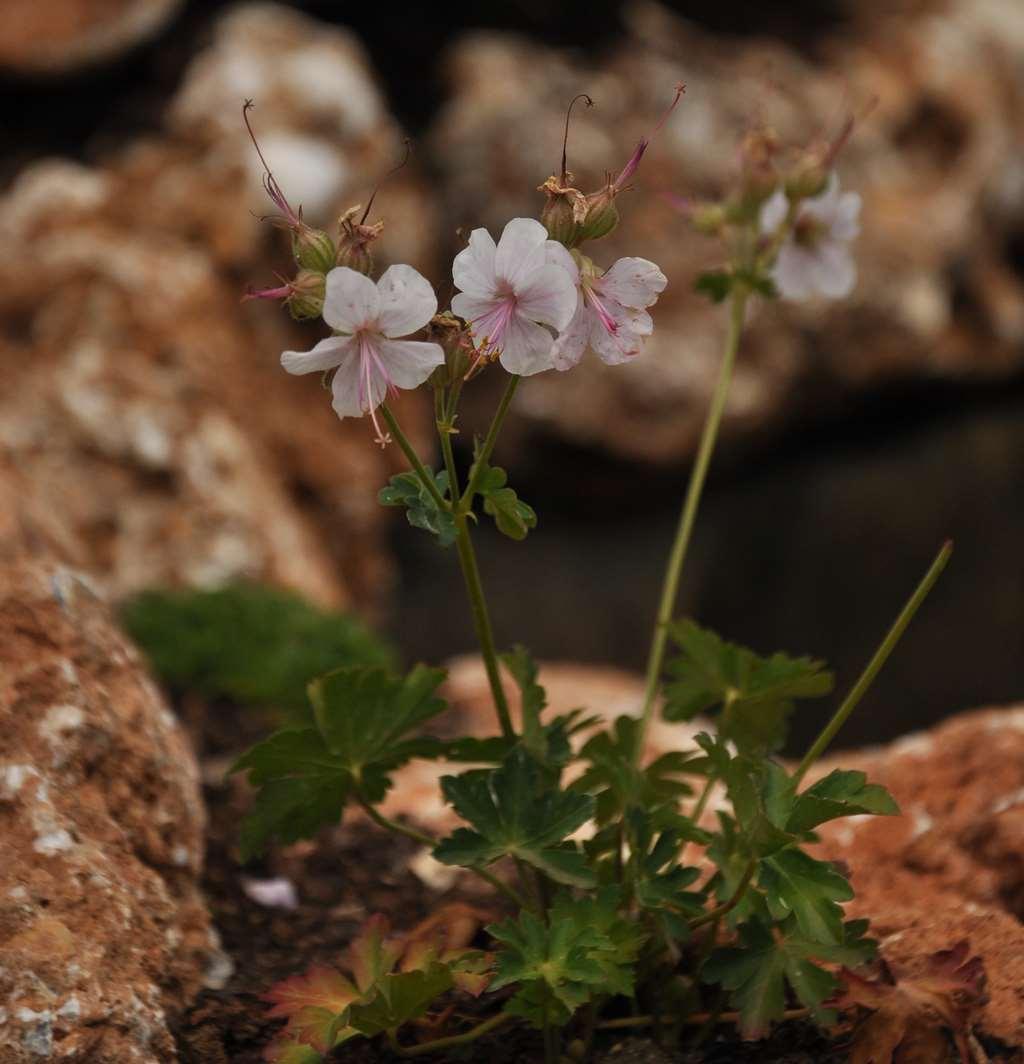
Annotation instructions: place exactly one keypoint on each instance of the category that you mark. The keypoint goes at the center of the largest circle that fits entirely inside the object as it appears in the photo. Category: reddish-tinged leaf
(909, 1016)
(311, 1003)
(443, 938)
(371, 956)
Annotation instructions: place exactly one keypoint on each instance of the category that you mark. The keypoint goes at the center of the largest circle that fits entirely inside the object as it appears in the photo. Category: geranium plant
(609, 925)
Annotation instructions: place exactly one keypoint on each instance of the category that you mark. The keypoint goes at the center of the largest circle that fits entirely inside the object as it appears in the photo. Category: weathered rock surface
(952, 865)
(62, 36)
(939, 164)
(144, 407)
(104, 935)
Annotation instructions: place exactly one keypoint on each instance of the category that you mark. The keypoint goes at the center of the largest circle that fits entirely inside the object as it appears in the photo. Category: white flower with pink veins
(611, 308)
(510, 291)
(815, 257)
(368, 318)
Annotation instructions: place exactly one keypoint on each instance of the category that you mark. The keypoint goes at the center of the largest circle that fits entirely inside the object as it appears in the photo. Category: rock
(939, 164)
(104, 934)
(952, 865)
(63, 36)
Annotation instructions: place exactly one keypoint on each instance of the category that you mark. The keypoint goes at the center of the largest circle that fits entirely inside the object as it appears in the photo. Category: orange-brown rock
(63, 36)
(104, 934)
(952, 865)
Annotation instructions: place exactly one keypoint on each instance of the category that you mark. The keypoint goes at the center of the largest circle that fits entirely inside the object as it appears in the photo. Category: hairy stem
(874, 666)
(674, 569)
(489, 441)
(426, 477)
(453, 1040)
(443, 421)
(482, 621)
(713, 915)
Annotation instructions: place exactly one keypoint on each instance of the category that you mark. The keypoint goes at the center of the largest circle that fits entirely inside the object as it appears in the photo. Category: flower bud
(564, 210)
(757, 159)
(306, 295)
(709, 218)
(456, 342)
(354, 240)
(313, 248)
(808, 178)
(602, 214)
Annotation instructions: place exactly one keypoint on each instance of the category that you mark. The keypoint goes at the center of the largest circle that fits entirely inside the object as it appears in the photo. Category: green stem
(444, 434)
(874, 666)
(414, 459)
(484, 455)
(673, 572)
(455, 1039)
(399, 828)
(702, 801)
(482, 621)
(713, 915)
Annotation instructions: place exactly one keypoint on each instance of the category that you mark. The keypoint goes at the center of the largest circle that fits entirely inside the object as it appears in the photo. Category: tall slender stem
(482, 621)
(674, 569)
(713, 915)
(873, 667)
(409, 451)
(489, 441)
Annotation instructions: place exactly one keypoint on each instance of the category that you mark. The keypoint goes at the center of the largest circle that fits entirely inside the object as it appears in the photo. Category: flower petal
(325, 355)
(836, 274)
(352, 398)
(407, 301)
(548, 294)
(556, 254)
(628, 339)
(409, 362)
(473, 268)
(794, 271)
(773, 213)
(520, 250)
(568, 348)
(472, 307)
(527, 347)
(350, 301)
(845, 223)
(633, 282)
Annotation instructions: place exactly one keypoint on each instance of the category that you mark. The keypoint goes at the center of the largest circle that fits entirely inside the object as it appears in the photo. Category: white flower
(367, 317)
(611, 313)
(509, 292)
(815, 257)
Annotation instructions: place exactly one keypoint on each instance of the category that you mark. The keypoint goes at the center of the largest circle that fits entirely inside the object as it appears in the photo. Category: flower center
(808, 230)
(492, 325)
(370, 364)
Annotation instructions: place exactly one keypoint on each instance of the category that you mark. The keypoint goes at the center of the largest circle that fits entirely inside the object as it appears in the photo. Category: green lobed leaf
(753, 694)
(757, 970)
(515, 812)
(715, 284)
(795, 883)
(363, 716)
(421, 509)
(618, 783)
(564, 961)
(400, 997)
(840, 793)
(512, 516)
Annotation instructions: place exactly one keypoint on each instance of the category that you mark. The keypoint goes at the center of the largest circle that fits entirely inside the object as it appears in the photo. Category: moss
(252, 644)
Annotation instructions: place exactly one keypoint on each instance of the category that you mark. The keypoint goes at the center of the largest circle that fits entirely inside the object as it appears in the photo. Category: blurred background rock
(144, 421)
